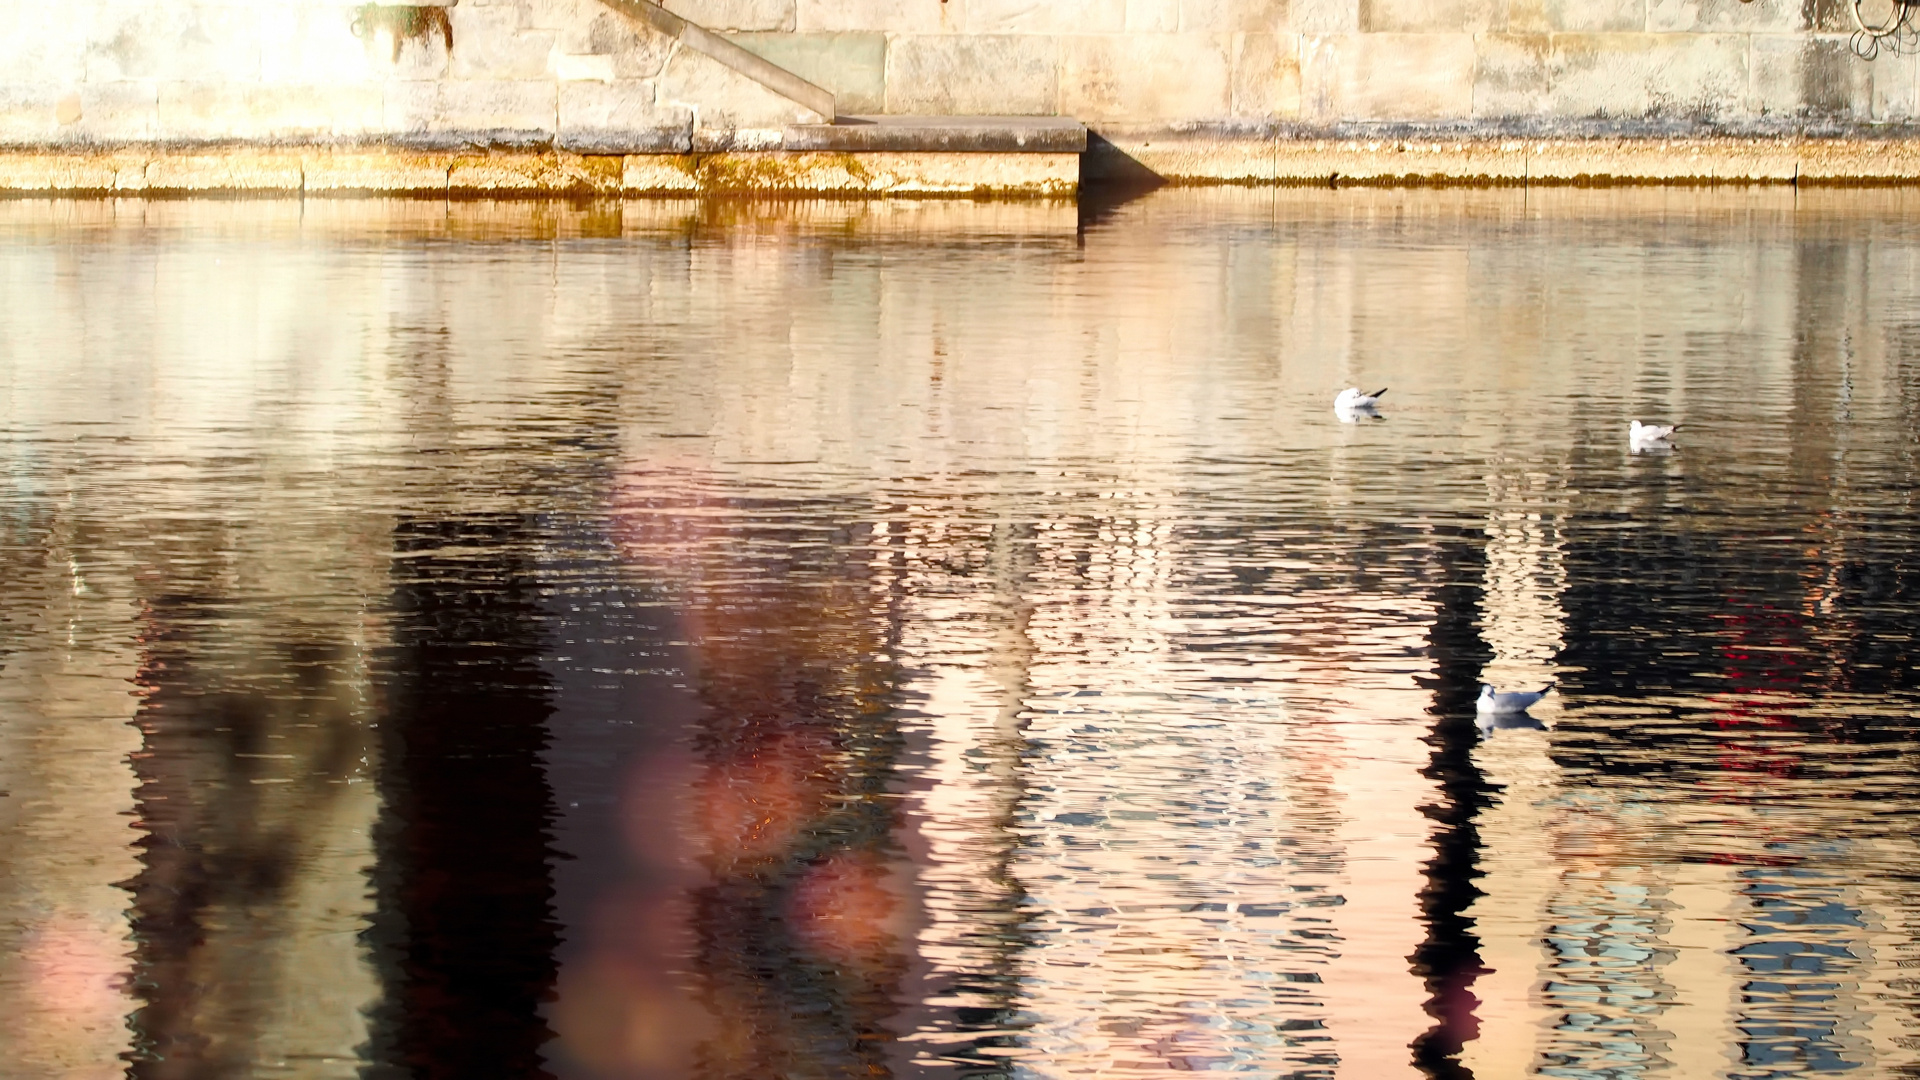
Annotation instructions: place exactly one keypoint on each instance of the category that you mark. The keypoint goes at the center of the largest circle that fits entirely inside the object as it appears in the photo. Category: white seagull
(1513, 701)
(1351, 405)
(1641, 435)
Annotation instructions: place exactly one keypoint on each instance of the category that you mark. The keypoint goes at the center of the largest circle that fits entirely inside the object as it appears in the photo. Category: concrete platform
(944, 134)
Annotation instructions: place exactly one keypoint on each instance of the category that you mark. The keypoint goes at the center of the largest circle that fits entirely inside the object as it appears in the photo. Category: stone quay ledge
(891, 159)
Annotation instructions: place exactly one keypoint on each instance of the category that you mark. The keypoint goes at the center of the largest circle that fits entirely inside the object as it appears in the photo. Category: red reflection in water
(784, 951)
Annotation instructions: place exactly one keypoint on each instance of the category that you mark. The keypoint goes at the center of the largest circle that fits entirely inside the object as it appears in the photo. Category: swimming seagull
(1513, 701)
(1641, 435)
(1351, 405)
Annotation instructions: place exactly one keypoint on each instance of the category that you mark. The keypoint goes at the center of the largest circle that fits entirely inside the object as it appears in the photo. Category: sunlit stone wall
(578, 74)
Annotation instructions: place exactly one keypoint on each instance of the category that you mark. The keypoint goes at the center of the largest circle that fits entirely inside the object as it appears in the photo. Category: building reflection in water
(673, 641)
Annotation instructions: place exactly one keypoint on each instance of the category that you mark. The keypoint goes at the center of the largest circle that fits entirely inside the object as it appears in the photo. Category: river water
(937, 639)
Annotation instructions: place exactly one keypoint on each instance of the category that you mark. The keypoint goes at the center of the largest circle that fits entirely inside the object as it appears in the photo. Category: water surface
(673, 640)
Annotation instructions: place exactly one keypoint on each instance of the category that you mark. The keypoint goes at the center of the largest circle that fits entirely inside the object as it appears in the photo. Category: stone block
(1894, 161)
(637, 51)
(1387, 77)
(489, 43)
(312, 45)
(951, 75)
(1708, 159)
(1046, 16)
(45, 44)
(374, 172)
(534, 174)
(889, 16)
(1425, 16)
(114, 112)
(1146, 77)
(76, 174)
(1896, 87)
(250, 171)
(1153, 16)
(33, 114)
(658, 174)
(851, 65)
(1797, 75)
(1231, 16)
(722, 100)
(400, 48)
(1724, 16)
(1324, 16)
(1523, 16)
(1266, 76)
(736, 14)
(571, 67)
(215, 111)
(868, 173)
(1592, 16)
(1510, 75)
(1836, 16)
(621, 118)
(458, 112)
(173, 41)
(1700, 77)
(1394, 162)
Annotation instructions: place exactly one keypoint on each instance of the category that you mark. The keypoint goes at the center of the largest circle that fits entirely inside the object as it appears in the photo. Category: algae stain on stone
(404, 23)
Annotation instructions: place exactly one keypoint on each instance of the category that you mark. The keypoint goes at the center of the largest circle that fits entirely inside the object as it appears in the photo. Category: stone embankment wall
(1223, 89)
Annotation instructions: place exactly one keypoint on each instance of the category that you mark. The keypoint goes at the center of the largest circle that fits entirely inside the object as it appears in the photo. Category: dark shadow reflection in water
(463, 935)
(1449, 958)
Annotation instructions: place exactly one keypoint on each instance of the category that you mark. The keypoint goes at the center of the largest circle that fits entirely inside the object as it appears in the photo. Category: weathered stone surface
(1859, 160)
(278, 112)
(1325, 16)
(1425, 16)
(207, 173)
(1002, 74)
(658, 174)
(637, 51)
(1589, 16)
(943, 134)
(1896, 87)
(1721, 160)
(534, 174)
(1799, 76)
(730, 111)
(1046, 16)
(45, 45)
(1244, 16)
(1510, 75)
(1387, 76)
(490, 44)
(114, 112)
(852, 65)
(1711, 16)
(737, 14)
(1153, 16)
(1116, 77)
(65, 174)
(33, 115)
(1266, 76)
(1400, 161)
(173, 41)
(1660, 76)
(621, 118)
(375, 172)
(490, 112)
(314, 45)
(869, 174)
(890, 16)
